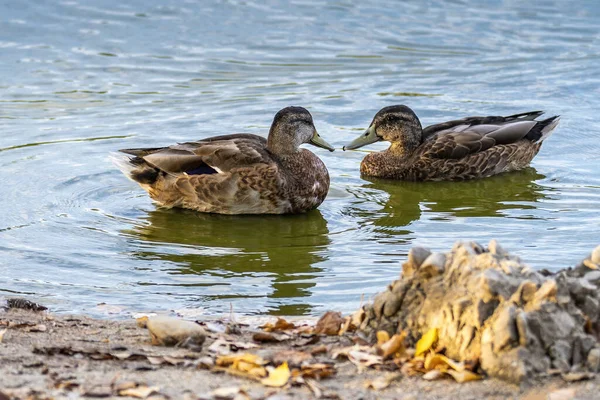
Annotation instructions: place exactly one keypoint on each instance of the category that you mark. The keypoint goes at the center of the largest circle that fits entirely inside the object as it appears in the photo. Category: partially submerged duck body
(469, 148)
(240, 173)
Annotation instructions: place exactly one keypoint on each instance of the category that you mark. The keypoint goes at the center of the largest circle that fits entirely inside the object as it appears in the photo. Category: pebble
(169, 331)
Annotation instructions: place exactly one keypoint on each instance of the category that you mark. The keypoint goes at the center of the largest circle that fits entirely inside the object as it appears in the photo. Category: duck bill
(317, 141)
(366, 138)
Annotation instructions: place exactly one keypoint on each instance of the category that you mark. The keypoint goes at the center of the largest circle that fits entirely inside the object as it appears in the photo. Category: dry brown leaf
(382, 337)
(345, 351)
(292, 357)
(394, 346)
(318, 350)
(426, 342)
(329, 323)
(463, 376)
(223, 347)
(125, 385)
(279, 325)
(140, 392)
(347, 326)
(412, 368)
(316, 371)
(268, 337)
(278, 377)
(363, 360)
(382, 382)
(577, 376)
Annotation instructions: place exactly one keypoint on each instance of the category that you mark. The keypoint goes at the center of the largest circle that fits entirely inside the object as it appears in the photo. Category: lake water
(81, 79)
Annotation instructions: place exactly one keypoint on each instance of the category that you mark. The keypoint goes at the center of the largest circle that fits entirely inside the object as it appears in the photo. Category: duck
(237, 173)
(462, 149)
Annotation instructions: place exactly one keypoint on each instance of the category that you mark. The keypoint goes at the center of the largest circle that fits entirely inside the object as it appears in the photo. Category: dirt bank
(53, 356)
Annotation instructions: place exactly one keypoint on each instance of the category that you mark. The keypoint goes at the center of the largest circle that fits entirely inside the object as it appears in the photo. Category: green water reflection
(491, 197)
(287, 249)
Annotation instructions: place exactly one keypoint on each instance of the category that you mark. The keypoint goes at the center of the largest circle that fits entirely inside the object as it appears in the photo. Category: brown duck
(468, 148)
(237, 174)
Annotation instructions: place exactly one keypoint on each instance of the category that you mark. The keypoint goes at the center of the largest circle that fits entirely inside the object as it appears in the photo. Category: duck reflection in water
(223, 250)
(408, 201)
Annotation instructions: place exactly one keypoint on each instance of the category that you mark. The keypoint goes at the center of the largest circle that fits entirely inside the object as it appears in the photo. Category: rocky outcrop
(490, 308)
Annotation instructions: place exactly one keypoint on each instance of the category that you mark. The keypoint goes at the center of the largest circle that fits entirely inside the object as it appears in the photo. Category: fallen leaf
(577, 376)
(442, 362)
(278, 377)
(267, 337)
(347, 326)
(317, 371)
(345, 351)
(426, 342)
(222, 346)
(247, 365)
(382, 337)
(140, 392)
(279, 325)
(394, 346)
(382, 382)
(329, 323)
(363, 360)
(358, 317)
(319, 350)
(2, 332)
(433, 375)
(463, 376)
(292, 357)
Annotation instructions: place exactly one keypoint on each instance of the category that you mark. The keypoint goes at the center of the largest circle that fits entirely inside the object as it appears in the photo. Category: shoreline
(74, 356)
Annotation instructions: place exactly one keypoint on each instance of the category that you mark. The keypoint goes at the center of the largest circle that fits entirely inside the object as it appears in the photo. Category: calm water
(80, 79)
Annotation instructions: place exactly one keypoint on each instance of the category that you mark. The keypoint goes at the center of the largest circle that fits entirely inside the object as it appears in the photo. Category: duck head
(292, 127)
(398, 125)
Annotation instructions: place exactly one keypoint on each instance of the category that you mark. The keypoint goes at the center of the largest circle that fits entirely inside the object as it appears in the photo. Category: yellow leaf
(441, 362)
(278, 377)
(382, 337)
(234, 359)
(463, 376)
(426, 342)
(394, 345)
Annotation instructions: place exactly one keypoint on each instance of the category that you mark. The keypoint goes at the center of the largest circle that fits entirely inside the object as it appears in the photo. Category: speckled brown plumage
(240, 173)
(469, 148)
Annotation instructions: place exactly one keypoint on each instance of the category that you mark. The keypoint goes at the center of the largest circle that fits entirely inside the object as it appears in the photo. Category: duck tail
(135, 168)
(543, 129)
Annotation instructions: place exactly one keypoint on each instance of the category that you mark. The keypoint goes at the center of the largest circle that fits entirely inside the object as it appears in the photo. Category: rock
(505, 329)
(169, 331)
(416, 256)
(595, 256)
(488, 306)
(433, 265)
(496, 249)
(593, 360)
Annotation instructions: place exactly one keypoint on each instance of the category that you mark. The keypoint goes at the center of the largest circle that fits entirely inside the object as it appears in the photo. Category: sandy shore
(47, 356)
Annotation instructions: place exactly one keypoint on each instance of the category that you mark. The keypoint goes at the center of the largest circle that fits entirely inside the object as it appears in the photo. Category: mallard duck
(468, 148)
(240, 173)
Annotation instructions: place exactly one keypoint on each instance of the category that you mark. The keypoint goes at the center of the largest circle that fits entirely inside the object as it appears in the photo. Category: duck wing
(459, 138)
(208, 156)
